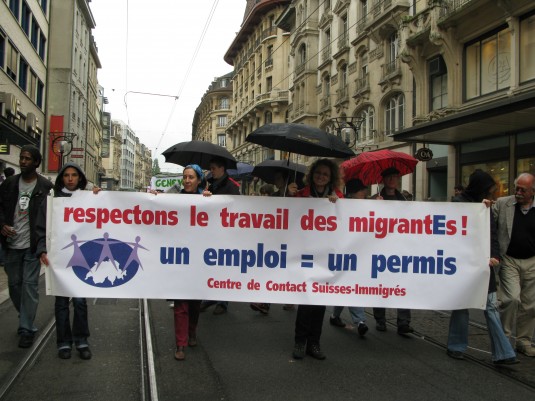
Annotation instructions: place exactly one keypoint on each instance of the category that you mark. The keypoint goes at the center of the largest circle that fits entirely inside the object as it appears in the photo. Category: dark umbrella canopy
(267, 170)
(368, 166)
(198, 152)
(301, 139)
(242, 170)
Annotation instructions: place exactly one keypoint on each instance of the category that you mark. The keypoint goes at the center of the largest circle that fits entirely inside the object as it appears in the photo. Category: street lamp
(59, 145)
(347, 129)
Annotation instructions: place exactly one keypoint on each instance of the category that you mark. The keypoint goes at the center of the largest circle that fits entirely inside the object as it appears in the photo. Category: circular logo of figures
(105, 262)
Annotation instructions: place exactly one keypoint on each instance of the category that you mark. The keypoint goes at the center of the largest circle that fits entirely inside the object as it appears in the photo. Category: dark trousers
(80, 327)
(308, 323)
(404, 316)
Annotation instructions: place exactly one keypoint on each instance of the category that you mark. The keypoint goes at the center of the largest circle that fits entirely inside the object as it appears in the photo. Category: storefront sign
(424, 154)
(4, 148)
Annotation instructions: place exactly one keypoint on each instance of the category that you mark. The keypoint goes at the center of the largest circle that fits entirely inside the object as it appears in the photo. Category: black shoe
(455, 354)
(64, 353)
(405, 329)
(26, 340)
(336, 321)
(314, 351)
(219, 310)
(381, 326)
(362, 329)
(262, 308)
(85, 353)
(507, 361)
(299, 351)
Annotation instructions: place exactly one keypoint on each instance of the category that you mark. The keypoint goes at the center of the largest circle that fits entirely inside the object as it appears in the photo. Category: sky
(149, 46)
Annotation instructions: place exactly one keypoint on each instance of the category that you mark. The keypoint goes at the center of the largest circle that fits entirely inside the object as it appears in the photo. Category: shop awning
(505, 116)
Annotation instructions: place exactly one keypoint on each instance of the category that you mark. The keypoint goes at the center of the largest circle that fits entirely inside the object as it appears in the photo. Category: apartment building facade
(213, 114)
(24, 40)
(259, 55)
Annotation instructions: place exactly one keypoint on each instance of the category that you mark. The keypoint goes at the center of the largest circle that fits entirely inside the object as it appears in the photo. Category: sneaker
(455, 354)
(26, 340)
(85, 353)
(179, 354)
(527, 350)
(171, 305)
(192, 342)
(288, 307)
(362, 329)
(314, 351)
(64, 353)
(299, 351)
(219, 310)
(336, 321)
(381, 326)
(262, 308)
(507, 361)
(405, 329)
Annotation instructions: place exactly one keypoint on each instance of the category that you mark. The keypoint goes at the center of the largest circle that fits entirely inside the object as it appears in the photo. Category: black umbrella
(301, 139)
(242, 170)
(267, 170)
(198, 152)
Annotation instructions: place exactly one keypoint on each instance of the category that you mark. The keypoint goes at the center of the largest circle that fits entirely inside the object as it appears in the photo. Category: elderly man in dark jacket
(21, 196)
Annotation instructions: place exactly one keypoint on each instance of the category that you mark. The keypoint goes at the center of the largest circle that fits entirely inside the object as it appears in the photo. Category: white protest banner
(164, 183)
(421, 255)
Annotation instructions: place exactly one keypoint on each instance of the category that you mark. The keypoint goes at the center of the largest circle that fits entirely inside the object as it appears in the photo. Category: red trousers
(186, 319)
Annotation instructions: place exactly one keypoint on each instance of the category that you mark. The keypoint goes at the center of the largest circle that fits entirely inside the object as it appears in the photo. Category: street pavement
(244, 355)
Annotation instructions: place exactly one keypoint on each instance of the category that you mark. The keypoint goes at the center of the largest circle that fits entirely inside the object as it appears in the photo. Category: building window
(222, 140)
(14, 6)
(44, 4)
(25, 18)
(23, 74)
(224, 103)
(40, 92)
(12, 61)
(393, 47)
(527, 48)
(438, 83)
(269, 84)
(327, 85)
(32, 86)
(2, 50)
(302, 54)
(268, 117)
(488, 64)
(394, 114)
(367, 128)
(35, 34)
(221, 121)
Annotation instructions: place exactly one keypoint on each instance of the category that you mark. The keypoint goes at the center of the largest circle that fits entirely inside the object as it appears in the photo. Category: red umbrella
(368, 166)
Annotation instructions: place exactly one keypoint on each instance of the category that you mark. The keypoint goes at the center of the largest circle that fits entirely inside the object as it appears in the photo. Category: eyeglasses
(523, 190)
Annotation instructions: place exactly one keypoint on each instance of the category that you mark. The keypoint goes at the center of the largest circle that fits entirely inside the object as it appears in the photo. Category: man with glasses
(515, 217)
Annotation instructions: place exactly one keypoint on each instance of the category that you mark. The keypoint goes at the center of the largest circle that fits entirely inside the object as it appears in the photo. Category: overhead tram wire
(126, 60)
(190, 66)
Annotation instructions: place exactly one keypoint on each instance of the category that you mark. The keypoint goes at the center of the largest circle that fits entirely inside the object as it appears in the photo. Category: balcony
(342, 95)
(362, 85)
(391, 69)
(326, 55)
(325, 103)
(269, 32)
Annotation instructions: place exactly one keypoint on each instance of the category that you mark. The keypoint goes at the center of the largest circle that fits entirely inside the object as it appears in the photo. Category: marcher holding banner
(186, 312)
(323, 181)
(220, 184)
(482, 186)
(70, 179)
(390, 192)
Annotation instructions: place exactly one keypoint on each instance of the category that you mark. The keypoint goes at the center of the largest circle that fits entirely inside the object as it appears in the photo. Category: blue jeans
(458, 332)
(80, 328)
(22, 269)
(357, 313)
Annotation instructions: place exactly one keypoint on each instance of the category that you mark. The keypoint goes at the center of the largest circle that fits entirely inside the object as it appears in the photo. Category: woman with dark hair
(186, 312)
(70, 179)
(322, 181)
(482, 186)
